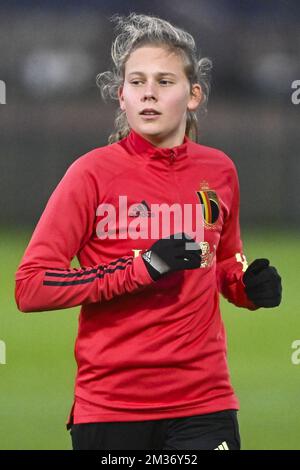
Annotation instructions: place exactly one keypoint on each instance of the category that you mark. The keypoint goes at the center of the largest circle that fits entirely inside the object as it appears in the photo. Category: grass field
(37, 379)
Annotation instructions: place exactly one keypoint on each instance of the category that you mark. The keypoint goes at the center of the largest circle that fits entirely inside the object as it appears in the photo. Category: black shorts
(213, 431)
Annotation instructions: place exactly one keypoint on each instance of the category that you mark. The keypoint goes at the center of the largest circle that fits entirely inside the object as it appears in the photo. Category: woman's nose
(150, 91)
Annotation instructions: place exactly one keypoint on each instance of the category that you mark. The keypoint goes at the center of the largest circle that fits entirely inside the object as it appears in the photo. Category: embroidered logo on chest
(210, 205)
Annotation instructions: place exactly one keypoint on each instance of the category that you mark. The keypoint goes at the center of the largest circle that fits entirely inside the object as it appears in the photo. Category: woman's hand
(263, 284)
(170, 254)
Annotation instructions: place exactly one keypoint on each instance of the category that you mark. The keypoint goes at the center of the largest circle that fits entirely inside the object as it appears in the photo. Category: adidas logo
(141, 210)
(222, 446)
(147, 256)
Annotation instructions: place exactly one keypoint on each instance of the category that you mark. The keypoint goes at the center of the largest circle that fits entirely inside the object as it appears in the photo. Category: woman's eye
(134, 82)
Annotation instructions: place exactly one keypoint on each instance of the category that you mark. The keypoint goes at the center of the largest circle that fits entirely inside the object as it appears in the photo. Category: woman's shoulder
(95, 158)
(211, 155)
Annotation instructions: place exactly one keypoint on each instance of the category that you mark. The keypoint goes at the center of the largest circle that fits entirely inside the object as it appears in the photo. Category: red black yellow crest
(210, 205)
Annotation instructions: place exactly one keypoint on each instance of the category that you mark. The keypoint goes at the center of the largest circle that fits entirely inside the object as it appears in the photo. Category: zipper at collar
(172, 157)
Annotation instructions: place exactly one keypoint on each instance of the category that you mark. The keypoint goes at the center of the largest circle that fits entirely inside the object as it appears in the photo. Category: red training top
(145, 349)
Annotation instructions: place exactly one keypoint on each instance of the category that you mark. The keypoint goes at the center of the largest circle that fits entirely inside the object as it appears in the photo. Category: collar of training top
(141, 145)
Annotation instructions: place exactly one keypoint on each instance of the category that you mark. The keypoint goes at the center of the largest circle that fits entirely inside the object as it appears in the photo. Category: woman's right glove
(170, 254)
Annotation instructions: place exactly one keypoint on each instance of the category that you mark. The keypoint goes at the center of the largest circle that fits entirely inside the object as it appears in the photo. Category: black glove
(263, 284)
(170, 254)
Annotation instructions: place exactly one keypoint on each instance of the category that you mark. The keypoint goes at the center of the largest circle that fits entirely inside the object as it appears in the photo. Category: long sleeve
(44, 279)
(231, 261)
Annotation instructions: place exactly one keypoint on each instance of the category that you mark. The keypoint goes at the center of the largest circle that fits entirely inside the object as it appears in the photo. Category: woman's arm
(231, 261)
(44, 279)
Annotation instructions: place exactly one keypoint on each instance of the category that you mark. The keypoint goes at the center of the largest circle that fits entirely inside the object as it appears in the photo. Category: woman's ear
(195, 98)
(121, 98)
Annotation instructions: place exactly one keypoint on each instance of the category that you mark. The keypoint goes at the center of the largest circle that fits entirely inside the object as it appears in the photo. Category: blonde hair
(137, 30)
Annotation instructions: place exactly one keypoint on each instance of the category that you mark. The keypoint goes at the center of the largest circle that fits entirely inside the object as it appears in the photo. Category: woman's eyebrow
(158, 73)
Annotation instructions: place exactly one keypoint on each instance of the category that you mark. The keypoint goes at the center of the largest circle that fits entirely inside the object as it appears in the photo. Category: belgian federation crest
(210, 204)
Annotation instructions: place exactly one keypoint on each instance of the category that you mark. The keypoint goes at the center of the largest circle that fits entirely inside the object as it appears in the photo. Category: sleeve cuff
(141, 271)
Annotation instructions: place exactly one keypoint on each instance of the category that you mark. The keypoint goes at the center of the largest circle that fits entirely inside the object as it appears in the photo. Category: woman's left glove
(263, 284)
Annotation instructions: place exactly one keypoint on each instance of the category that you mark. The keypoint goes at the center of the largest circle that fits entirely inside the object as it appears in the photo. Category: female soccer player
(151, 345)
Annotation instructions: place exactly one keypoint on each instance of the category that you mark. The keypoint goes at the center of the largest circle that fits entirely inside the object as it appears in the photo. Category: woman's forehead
(154, 60)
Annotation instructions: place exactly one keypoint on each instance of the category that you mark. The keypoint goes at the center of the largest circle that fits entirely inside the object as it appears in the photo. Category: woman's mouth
(150, 113)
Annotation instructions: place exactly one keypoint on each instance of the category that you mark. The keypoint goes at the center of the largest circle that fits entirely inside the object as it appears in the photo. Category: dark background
(51, 52)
